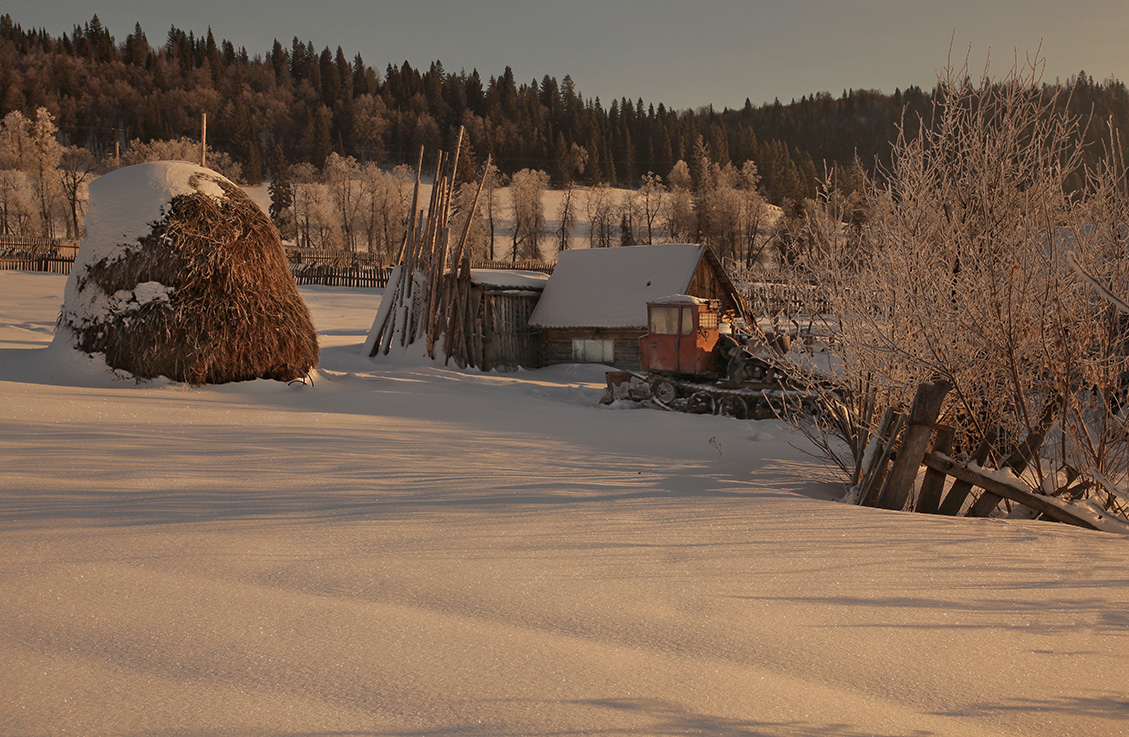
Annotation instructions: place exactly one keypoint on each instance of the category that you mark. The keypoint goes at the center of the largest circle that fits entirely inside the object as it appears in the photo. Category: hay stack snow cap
(182, 275)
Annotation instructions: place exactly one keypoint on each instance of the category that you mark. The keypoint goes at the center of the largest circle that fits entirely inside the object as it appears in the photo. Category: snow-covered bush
(962, 269)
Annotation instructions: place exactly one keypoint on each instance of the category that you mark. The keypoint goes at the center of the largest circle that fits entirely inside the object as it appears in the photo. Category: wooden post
(876, 468)
(958, 492)
(204, 141)
(919, 429)
(1020, 457)
(933, 485)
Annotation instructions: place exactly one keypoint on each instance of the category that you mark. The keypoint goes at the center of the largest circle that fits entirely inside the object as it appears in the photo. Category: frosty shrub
(962, 268)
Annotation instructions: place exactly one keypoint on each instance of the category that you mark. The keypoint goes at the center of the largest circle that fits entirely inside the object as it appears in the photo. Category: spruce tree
(281, 191)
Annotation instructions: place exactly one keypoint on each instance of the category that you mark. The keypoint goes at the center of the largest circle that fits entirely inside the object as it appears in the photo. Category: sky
(682, 54)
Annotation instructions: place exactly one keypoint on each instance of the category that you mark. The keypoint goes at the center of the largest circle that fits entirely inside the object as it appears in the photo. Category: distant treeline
(103, 94)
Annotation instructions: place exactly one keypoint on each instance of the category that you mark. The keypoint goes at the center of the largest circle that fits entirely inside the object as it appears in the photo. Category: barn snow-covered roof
(509, 279)
(610, 287)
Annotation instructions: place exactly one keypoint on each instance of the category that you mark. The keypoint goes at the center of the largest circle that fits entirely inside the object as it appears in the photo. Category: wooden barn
(499, 304)
(594, 307)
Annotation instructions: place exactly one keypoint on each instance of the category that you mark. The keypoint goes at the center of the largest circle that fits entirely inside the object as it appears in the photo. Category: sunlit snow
(402, 548)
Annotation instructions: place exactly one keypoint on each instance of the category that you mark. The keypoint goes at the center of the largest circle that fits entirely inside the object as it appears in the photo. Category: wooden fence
(45, 264)
(773, 298)
(544, 267)
(308, 266)
(32, 253)
(906, 442)
(333, 257)
(341, 276)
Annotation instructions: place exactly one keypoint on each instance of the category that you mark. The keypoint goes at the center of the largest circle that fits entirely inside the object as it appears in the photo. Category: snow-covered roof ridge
(680, 299)
(509, 278)
(610, 287)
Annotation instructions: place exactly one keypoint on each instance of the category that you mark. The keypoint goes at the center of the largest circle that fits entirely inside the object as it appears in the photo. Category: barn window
(587, 350)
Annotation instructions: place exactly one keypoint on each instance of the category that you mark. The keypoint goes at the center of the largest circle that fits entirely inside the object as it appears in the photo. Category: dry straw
(233, 312)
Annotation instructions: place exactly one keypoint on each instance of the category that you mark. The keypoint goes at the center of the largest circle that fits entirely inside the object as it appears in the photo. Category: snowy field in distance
(407, 549)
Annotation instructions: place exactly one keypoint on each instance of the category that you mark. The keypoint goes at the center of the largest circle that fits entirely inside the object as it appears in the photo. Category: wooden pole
(868, 493)
(919, 429)
(204, 141)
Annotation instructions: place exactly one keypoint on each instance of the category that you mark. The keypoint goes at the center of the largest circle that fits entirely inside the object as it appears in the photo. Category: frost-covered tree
(963, 269)
(527, 188)
(314, 216)
(680, 220)
(29, 145)
(600, 208)
(18, 214)
(340, 175)
(382, 213)
(651, 194)
(572, 164)
(180, 149)
(754, 214)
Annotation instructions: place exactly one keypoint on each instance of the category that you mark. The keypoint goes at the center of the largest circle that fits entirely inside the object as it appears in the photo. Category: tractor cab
(682, 335)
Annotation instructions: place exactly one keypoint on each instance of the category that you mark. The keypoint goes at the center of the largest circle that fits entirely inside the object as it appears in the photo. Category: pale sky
(684, 54)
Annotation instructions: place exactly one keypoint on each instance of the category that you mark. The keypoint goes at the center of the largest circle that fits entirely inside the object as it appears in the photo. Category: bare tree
(492, 182)
(601, 215)
(76, 169)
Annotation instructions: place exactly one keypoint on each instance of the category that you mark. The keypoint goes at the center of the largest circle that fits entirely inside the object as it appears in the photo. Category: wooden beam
(948, 466)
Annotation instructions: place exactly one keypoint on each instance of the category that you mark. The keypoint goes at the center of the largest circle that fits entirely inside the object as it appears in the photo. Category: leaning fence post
(919, 429)
(929, 499)
(888, 431)
(958, 492)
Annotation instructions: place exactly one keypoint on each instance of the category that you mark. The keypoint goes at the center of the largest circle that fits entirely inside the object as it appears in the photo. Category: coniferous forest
(103, 89)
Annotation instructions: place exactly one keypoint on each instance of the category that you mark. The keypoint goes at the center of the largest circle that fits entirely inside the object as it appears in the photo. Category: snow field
(402, 547)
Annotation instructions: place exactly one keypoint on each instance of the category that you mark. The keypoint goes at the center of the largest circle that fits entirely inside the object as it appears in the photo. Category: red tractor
(692, 360)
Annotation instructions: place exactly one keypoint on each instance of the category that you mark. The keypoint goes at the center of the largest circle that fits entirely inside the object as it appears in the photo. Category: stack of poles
(424, 302)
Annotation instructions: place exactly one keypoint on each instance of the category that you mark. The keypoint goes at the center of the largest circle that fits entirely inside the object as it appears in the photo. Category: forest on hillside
(102, 92)
(82, 103)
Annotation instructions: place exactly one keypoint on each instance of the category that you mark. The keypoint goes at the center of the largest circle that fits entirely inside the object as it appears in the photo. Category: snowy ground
(405, 549)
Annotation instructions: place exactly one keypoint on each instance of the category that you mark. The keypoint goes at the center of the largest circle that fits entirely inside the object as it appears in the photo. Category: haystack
(182, 275)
